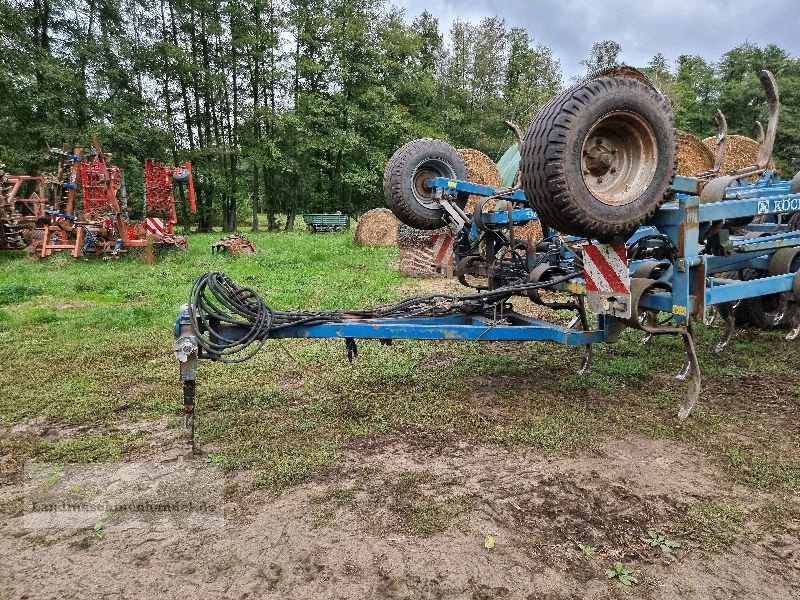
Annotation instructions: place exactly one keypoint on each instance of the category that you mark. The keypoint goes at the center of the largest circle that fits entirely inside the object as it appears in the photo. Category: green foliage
(656, 539)
(621, 573)
(712, 525)
(14, 293)
(603, 55)
(291, 107)
(282, 107)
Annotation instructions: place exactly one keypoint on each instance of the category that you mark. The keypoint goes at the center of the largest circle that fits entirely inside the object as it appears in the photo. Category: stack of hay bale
(376, 227)
(481, 170)
(694, 155)
(740, 151)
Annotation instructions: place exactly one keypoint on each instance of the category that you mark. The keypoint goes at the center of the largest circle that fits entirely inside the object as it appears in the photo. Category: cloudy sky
(643, 28)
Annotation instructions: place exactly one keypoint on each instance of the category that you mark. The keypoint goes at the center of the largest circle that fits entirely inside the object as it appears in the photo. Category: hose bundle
(228, 319)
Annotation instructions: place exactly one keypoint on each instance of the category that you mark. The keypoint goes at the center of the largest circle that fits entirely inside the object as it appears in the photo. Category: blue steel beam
(739, 290)
(446, 328)
(456, 185)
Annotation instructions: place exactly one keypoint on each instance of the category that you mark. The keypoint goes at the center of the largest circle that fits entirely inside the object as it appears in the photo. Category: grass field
(89, 342)
(85, 347)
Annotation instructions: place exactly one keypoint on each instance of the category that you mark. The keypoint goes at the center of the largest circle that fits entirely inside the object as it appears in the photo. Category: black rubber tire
(760, 311)
(551, 165)
(181, 176)
(436, 156)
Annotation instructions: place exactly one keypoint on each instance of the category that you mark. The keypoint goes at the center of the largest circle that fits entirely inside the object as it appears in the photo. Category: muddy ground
(435, 513)
(406, 515)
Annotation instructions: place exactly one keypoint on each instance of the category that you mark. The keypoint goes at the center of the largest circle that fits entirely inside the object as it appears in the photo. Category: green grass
(89, 342)
(712, 526)
(89, 448)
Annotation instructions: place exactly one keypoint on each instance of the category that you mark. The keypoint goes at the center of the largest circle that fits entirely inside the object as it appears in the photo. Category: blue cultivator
(638, 247)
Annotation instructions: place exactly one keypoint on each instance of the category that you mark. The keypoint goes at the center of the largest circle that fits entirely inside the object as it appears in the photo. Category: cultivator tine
(794, 322)
(722, 139)
(728, 313)
(759, 133)
(586, 361)
(687, 366)
(693, 372)
(771, 89)
(648, 319)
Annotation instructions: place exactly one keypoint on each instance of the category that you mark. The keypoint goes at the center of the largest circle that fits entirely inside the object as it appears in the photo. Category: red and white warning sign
(155, 226)
(442, 246)
(608, 280)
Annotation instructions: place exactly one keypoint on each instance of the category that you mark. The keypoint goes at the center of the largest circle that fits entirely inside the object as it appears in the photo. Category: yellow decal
(677, 309)
(575, 288)
(451, 184)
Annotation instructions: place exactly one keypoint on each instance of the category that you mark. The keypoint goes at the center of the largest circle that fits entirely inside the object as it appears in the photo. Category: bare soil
(406, 514)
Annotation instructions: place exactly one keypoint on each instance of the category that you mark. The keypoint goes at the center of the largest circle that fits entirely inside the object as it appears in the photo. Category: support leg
(188, 377)
(185, 350)
(587, 352)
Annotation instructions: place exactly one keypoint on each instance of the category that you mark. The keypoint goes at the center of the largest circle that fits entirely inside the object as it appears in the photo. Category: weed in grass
(339, 496)
(14, 293)
(87, 537)
(621, 573)
(324, 506)
(712, 525)
(778, 516)
(289, 466)
(560, 427)
(656, 539)
(44, 316)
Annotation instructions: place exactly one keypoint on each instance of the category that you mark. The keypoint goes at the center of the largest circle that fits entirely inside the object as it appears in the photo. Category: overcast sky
(708, 28)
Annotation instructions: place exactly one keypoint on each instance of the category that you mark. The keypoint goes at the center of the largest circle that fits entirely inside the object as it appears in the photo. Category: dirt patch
(405, 516)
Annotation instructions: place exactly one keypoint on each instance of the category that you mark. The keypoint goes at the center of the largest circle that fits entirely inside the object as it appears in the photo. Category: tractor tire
(405, 177)
(762, 312)
(599, 158)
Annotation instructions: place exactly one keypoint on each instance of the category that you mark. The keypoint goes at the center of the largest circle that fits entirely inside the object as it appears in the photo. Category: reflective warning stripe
(155, 225)
(606, 268)
(443, 248)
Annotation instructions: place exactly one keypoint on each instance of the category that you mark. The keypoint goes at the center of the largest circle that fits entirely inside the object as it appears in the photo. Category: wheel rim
(429, 169)
(619, 157)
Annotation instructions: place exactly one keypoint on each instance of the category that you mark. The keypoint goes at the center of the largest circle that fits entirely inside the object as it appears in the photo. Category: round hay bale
(741, 151)
(376, 227)
(694, 156)
(530, 233)
(481, 170)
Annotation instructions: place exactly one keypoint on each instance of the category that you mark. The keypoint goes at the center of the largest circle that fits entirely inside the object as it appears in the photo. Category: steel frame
(688, 277)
